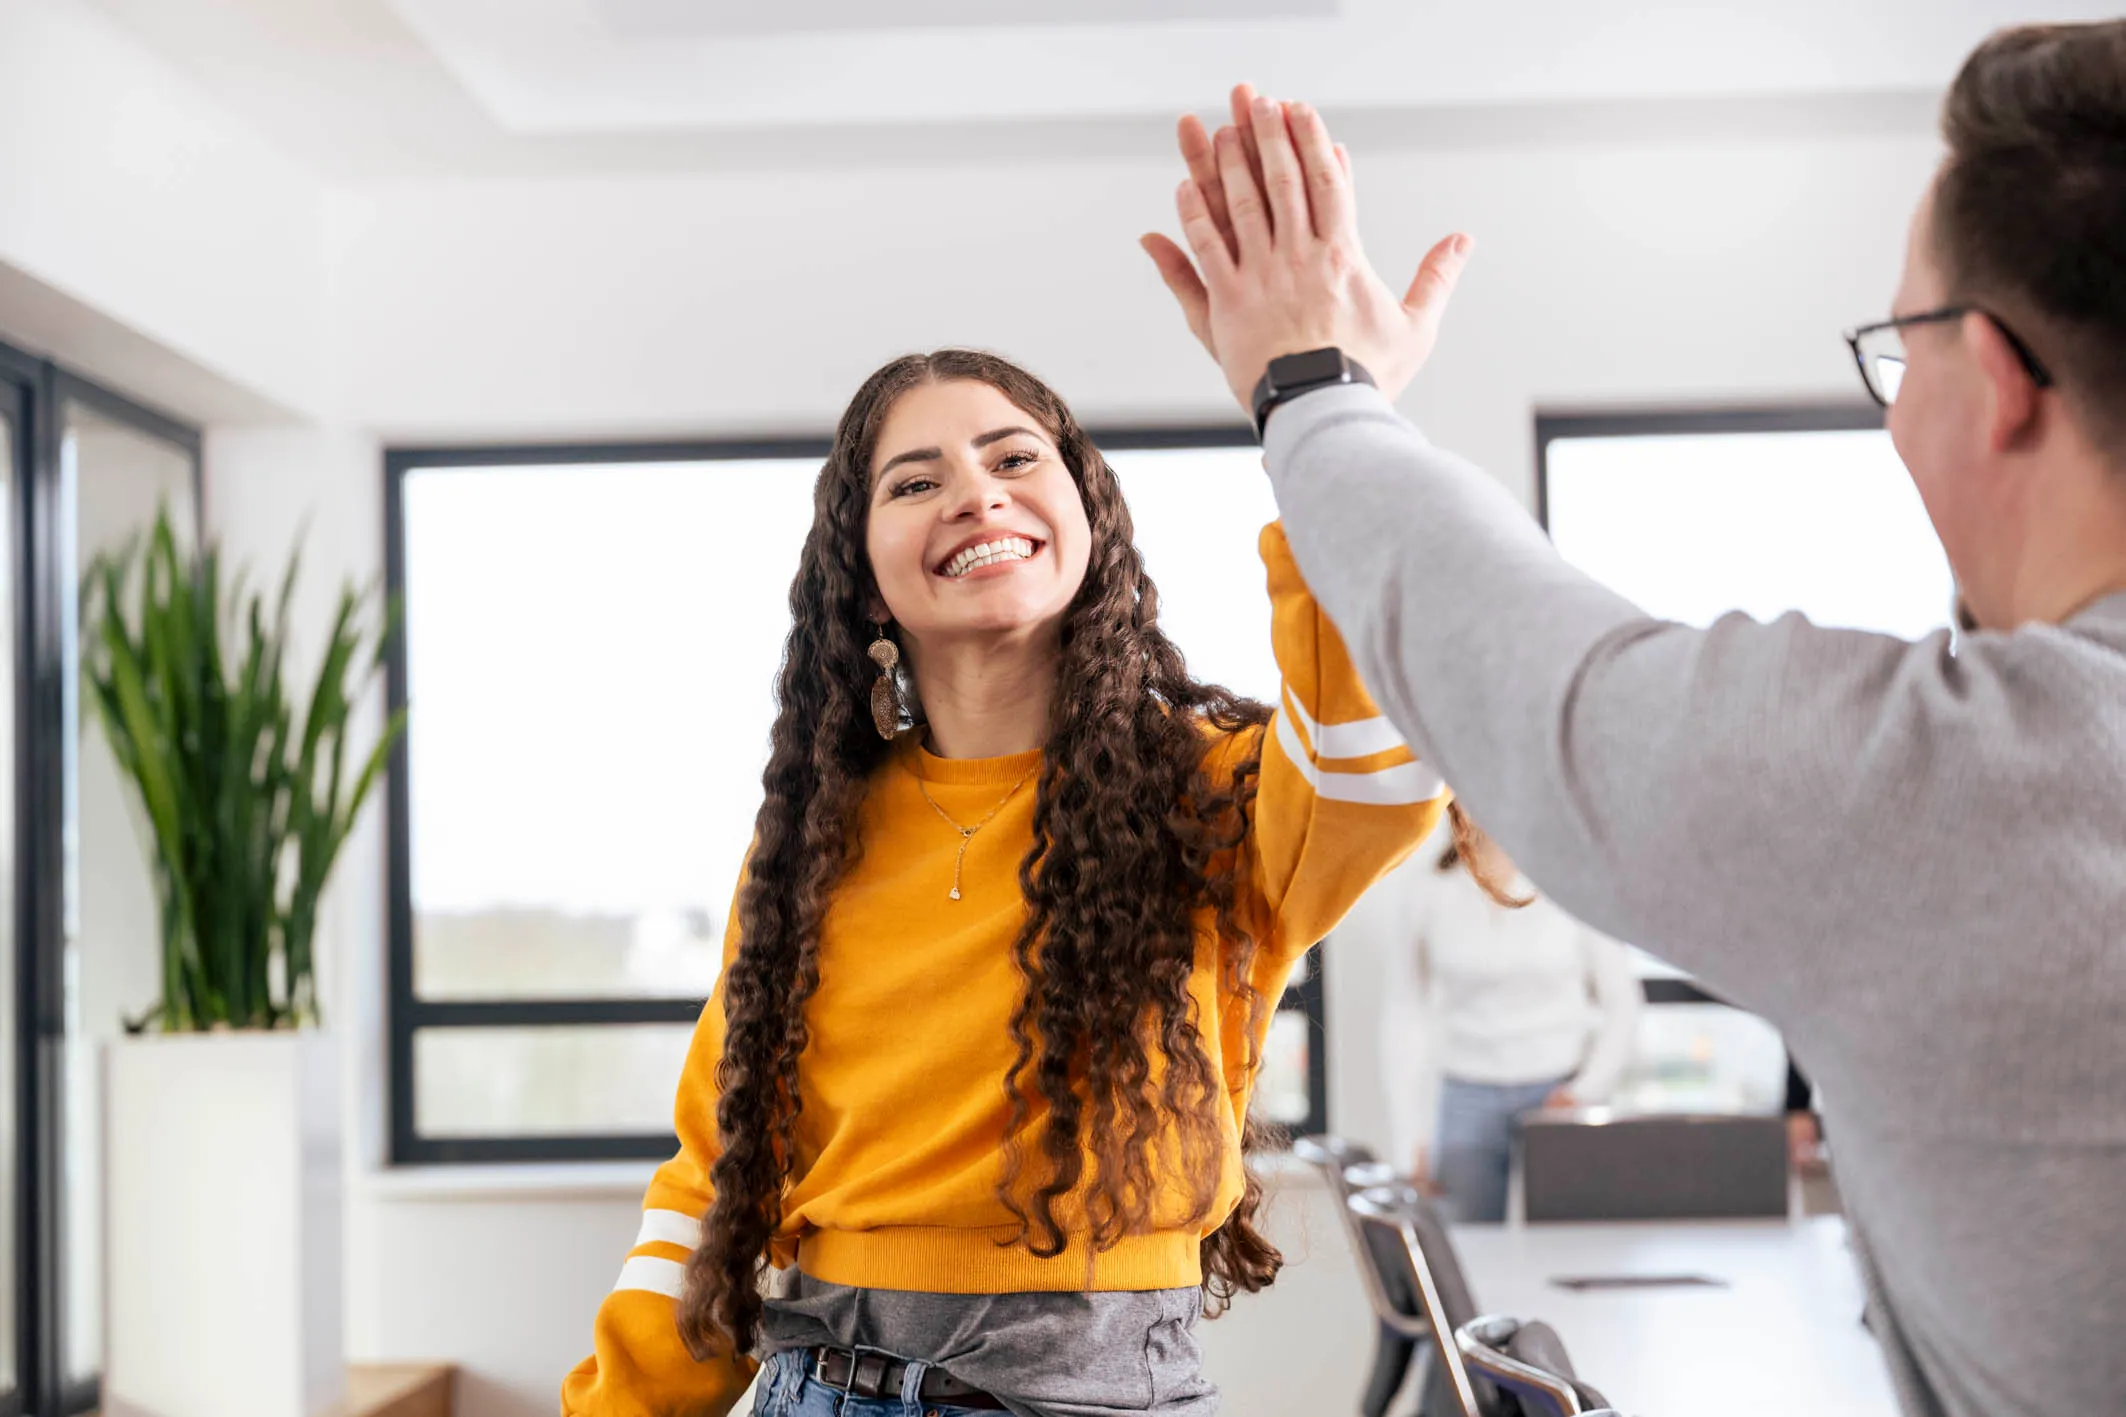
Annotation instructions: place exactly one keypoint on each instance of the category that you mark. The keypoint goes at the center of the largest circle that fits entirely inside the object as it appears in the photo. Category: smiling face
(976, 524)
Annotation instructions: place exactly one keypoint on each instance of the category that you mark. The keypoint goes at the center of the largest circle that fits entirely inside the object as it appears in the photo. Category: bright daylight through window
(1761, 513)
(591, 649)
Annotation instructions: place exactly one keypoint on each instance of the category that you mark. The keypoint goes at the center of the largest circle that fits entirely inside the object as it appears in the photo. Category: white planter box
(222, 1215)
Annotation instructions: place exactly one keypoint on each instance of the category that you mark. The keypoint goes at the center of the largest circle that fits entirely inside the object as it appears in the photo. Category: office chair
(1527, 1363)
(1418, 1291)
(1499, 1367)
(1350, 1167)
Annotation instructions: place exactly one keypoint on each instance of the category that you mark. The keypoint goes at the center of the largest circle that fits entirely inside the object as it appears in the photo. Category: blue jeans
(786, 1388)
(1473, 1157)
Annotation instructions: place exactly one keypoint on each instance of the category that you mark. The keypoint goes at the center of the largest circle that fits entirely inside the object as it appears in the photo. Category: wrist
(1290, 376)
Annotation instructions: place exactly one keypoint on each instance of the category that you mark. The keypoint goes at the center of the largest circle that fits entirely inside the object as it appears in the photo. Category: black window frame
(408, 1013)
(38, 392)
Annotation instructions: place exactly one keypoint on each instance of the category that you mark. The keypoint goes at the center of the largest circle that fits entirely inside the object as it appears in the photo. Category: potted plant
(221, 1111)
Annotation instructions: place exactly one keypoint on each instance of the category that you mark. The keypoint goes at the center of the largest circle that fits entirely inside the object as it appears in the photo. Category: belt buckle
(860, 1383)
(819, 1370)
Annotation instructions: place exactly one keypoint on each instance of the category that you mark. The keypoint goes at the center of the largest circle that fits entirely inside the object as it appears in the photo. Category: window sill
(511, 1180)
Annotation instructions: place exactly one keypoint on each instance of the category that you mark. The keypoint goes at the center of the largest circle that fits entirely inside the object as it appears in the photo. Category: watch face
(1316, 366)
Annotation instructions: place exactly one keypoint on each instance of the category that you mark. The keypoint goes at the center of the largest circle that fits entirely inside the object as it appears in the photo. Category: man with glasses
(1911, 857)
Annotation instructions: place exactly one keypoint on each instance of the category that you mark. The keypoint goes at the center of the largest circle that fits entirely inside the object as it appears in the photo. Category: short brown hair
(2030, 208)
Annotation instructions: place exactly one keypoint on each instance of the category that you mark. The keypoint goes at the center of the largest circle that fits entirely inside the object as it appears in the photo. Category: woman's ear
(875, 610)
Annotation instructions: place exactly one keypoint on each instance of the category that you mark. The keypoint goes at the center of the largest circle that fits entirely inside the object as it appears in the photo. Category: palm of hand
(1269, 213)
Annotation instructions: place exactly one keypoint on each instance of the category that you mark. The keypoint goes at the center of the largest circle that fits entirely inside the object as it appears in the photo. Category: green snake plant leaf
(241, 786)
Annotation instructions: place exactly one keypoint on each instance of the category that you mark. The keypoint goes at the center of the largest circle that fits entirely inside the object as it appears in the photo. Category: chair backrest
(1455, 1296)
(1348, 1168)
(1528, 1363)
(1394, 1222)
(1663, 1166)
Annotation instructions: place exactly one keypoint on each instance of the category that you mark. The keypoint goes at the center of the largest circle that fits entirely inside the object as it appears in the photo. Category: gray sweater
(1912, 861)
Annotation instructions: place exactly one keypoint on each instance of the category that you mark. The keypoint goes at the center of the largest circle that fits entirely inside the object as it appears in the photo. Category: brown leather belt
(865, 1373)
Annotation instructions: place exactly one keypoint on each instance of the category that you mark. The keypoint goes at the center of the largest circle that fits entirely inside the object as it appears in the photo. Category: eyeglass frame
(2032, 365)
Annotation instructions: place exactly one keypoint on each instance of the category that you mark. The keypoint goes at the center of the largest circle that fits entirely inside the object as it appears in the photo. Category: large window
(82, 471)
(590, 642)
(1765, 512)
(1694, 515)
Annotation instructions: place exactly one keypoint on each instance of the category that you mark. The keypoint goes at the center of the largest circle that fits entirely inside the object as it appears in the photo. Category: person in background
(1509, 1005)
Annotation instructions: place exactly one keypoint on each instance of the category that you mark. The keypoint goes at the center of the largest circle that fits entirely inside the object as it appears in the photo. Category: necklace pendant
(959, 860)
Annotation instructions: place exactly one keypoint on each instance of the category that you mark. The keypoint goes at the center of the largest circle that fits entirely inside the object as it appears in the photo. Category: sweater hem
(939, 1259)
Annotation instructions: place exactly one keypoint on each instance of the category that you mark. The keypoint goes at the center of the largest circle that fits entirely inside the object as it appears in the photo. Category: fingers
(1283, 181)
(1203, 236)
(1243, 102)
(1202, 160)
(1181, 278)
(1175, 268)
(1322, 164)
(1243, 199)
(1437, 274)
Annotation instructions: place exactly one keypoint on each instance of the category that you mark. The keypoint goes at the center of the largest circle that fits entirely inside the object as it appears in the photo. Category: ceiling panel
(430, 87)
(550, 67)
(661, 19)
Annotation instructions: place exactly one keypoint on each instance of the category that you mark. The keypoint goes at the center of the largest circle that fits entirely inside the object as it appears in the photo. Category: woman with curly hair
(962, 1128)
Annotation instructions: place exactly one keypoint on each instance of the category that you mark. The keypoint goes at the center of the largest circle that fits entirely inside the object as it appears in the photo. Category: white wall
(147, 236)
(1637, 270)
(1633, 269)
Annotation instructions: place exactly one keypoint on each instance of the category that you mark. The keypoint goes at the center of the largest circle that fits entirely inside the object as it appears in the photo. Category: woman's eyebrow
(912, 455)
(995, 435)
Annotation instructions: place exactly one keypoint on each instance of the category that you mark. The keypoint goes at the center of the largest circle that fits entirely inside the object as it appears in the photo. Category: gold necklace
(966, 833)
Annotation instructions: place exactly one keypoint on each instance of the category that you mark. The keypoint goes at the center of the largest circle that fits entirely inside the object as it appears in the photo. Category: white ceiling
(663, 19)
(366, 89)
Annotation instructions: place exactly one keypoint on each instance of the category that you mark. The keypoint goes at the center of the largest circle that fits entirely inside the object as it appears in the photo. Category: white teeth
(989, 553)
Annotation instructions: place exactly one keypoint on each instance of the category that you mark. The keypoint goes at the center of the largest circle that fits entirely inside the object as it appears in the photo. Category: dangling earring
(885, 692)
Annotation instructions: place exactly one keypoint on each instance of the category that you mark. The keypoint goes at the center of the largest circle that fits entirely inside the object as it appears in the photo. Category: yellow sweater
(898, 1162)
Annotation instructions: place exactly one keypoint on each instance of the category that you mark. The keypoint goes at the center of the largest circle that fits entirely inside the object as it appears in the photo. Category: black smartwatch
(1291, 375)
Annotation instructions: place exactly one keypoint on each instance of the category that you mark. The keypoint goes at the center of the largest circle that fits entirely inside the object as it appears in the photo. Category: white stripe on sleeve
(1361, 738)
(653, 1275)
(1403, 785)
(669, 1227)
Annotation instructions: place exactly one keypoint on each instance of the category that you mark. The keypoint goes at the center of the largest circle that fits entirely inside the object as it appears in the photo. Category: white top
(1484, 993)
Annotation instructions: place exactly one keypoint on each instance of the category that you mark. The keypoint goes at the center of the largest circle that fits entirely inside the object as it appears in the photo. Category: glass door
(82, 470)
(17, 1269)
(119, 467)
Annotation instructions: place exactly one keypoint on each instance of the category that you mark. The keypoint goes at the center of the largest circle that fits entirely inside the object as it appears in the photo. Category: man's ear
(2011, 393)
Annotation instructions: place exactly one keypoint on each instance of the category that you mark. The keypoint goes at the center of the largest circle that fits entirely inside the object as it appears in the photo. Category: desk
(1784, 1337)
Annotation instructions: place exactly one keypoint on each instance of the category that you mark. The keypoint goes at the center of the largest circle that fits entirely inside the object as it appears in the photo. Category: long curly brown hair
(1131, 838)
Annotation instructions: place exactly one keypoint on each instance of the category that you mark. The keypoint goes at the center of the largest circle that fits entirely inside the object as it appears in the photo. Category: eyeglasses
(1879, 349)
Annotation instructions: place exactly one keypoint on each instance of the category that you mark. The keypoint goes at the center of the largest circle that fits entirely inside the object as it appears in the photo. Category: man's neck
(2071, 559)
(985, 697)
(2055, 542)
